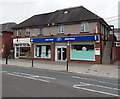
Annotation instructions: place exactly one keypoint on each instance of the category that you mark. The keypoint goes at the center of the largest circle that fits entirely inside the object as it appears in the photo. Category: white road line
(28, 77)
(100, 86)
(16, 73)
(47, 77)
(26, 74)
(3, 71)
(93, 80)
(76, 86)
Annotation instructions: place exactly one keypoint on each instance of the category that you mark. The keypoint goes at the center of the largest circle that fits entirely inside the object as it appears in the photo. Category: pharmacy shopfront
(73, 48)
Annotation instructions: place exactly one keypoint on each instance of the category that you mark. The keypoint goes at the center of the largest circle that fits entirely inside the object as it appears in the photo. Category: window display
(42, 51)
(83, 52)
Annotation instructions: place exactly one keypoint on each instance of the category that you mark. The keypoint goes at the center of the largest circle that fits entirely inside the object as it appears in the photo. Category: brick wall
(7, 43)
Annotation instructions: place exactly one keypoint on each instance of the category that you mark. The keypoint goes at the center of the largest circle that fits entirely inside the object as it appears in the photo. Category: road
(30, 82)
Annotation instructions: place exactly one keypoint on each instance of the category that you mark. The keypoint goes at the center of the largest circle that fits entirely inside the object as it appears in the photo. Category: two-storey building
(6, 41)
(73, 34)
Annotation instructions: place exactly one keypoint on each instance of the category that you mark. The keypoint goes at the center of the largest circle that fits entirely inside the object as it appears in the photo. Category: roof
(66, 16)
(7, 27)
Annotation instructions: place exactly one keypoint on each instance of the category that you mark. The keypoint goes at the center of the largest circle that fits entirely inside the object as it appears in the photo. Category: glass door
(61, 53)
(17, 52)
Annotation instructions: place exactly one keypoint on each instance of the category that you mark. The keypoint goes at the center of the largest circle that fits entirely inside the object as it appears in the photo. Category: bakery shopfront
(22, 48)
(72, 48)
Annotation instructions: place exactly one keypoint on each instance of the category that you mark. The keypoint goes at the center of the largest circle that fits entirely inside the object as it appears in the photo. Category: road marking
(26, 74)
(16, 73)
(48, 77)
(93, 80)
(77, 86)
(36, 76)
(3, 71)
(28, 77)
(83, 84)
(100, 86)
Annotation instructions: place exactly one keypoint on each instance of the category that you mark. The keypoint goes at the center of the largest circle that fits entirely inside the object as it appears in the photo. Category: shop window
(25, 52)
(19, 32)
(84, 27)
(27, 33)
(60, 29)
(42, 51)
(82, 52)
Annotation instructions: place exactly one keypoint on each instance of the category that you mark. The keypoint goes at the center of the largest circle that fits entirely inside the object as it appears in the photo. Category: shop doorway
(17, 54)
(61, 53)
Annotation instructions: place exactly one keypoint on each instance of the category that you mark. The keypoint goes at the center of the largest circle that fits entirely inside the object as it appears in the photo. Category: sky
(19, 10)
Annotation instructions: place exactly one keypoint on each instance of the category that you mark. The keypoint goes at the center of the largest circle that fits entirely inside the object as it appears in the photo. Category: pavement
(100, 70)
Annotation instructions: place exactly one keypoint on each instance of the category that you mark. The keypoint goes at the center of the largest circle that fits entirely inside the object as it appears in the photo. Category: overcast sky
(20, 10)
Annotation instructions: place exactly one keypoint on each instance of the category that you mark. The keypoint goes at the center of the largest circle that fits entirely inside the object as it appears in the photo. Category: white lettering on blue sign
(49, 39)
(71, 39)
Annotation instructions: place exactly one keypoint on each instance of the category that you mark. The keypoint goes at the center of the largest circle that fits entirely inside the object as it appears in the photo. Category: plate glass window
(82, 52)
(42, 51)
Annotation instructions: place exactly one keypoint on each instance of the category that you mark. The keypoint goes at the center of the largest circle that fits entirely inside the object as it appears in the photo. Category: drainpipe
(113, 39)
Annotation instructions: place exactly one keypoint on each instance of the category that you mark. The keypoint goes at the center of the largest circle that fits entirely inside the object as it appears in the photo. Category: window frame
(61, 29)
(18, 32)
(1, 34)
(84, 27)
(27, 30)
(41, 31)
(40, 51)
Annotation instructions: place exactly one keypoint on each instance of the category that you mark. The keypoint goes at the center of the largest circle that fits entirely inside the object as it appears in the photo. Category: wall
(117, 52)
(53, 30)
(1, 46)
(8, 43)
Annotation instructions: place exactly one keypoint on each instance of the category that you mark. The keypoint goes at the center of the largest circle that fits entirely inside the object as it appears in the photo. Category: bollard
(67, 66)
(32, 62)
(6, 60)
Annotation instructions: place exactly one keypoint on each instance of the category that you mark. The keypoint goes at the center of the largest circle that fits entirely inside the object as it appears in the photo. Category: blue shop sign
(71, 38)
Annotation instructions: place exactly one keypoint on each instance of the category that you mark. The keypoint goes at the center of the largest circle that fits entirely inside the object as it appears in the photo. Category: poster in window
(43, 52)
(97, 51)
(38, 51)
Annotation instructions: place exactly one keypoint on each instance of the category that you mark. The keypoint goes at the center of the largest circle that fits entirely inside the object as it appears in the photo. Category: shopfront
(82, 51)
(42, 50)
(65, 48)
(22, 48)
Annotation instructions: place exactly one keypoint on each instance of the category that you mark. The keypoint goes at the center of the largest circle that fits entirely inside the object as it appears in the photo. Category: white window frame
(1, 34)
(85, 27)
(40, 32)
(60, 29)
(19, 32)
(27, 32)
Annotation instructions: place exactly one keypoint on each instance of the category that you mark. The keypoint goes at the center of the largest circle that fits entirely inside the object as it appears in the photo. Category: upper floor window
(40, 31)
(61, 29)
(84, 27)
(0, 34)
(27, 33)
(19, 32)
